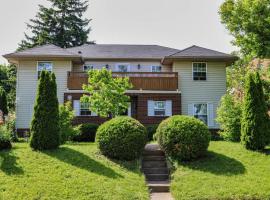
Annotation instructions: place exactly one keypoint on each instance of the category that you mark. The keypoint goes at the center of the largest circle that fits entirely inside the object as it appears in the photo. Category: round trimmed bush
(121, 138)
(183, 137)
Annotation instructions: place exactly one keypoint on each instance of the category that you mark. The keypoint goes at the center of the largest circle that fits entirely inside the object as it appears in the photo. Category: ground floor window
(84, 109)
(200, 112)
(159, 108)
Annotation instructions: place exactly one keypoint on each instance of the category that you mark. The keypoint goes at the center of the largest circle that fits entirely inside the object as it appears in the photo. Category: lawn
(75, 171)
(228, 172)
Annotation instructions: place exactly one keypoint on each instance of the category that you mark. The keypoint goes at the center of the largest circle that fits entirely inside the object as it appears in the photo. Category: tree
(3, 101)
(45, 133)
(61, 24)
(254, 125)
(107, 94)
(248, 22)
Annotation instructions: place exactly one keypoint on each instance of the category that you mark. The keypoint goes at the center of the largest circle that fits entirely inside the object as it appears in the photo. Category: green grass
(75, 171)
(228, 172)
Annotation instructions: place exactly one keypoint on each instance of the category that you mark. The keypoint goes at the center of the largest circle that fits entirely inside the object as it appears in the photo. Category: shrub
(45, 132)
(151, 130)
(11, 126)
(3, 101)
(5, 141)
(66, 115)
(122, 138)
(85, 133)
(229, 118)
(254, 124)
(183, 137)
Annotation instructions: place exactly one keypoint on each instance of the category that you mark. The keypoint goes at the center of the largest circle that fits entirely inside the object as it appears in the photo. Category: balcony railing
(140, 80)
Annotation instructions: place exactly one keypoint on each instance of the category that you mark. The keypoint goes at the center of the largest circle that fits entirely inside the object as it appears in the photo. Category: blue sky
(172, 23)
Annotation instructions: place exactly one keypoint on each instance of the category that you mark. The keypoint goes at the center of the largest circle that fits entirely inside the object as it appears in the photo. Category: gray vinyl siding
(27, 85)
(209, 91)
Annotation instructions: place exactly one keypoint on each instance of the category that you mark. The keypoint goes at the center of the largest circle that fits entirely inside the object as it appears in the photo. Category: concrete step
(154, 164)
(159, 186)
(154, 158)
(157, 177)
(158, 170)
(153, 153)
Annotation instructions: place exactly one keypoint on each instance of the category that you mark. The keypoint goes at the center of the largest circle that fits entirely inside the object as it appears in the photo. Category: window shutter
(129, 110)
(168, 110)
(150, 107)
(76, 107)
(190, 110)
(210, 115)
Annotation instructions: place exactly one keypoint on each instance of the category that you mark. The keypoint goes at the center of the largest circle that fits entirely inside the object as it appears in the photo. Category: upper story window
(47, 66)
(200, 112)
(88, 67)
(199, 70)
(122, 67)
(159, 108)
(156, 69)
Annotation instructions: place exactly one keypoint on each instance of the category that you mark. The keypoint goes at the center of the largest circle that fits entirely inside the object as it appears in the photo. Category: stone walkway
(161, 196)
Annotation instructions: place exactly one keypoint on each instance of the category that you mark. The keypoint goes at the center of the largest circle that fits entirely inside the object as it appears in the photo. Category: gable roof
(120, 51)
(48, 50)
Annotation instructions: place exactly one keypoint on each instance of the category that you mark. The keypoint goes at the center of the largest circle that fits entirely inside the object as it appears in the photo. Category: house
(166, 81)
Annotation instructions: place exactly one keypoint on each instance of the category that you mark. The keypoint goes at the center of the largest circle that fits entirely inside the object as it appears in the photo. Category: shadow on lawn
(82, 161)
(218, 164)
(8, 163)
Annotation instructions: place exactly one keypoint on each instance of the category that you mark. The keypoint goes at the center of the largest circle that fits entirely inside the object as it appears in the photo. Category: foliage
(229, 171)
(254, 125)
(107, 94)
(45, 131)
(3, 101)
(61, 24)
(66, 115)
(229, 118)
(151, 130)
(265, 74)
(86, 133)
(11, 126)
(183, 137)
(248, 22)
(8, 83)
(70, 172)
(5, 141)
(121, 138)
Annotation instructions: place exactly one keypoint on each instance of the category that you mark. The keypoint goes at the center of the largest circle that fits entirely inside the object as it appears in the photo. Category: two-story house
(165, 81)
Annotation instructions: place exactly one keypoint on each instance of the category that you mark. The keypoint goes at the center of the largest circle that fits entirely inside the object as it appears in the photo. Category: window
(84, 109)
(122, 67)
(200, 112)
(156, 68)
(47, 66)
(159, 108)
(199, 71)
(88, 67)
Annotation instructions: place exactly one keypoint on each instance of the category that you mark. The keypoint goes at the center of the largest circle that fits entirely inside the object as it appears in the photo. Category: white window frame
(88, 65)
(43, 62)
(153, 68)
(207, 111)
(158, 109)
(117, 66)
(81, 103)
(206, 66)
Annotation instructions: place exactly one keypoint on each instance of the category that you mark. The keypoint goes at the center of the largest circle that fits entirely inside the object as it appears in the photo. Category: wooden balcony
(167, 81)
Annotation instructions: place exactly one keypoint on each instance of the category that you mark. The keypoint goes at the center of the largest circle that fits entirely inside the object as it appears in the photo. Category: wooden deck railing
(140, 80)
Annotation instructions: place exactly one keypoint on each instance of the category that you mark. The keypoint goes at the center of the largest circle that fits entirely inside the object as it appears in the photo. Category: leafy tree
(61, 24)
(248, 22)
(107, 94)
(254, 125)
(229, 118)
(3, 101)
(45, 133)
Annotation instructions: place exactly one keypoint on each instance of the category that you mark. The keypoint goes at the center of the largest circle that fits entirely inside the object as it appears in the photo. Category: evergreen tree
(3, 101)
(254, 120)
(45, 132)
(61, 24)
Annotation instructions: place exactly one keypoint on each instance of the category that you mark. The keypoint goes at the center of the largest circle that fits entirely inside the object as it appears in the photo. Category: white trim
(117, 64)
(193, 71)
(156, 66)
(207, 111)
(134, 91)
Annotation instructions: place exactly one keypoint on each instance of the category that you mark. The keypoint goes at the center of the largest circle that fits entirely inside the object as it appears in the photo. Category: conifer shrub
(3, 101)
(122, 138)
(5, 140)
(85, 133)
(44, 130)
(183, 137)
(255, 120)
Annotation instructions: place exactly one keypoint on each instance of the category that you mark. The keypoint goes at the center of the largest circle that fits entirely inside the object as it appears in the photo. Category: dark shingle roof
(116, 51)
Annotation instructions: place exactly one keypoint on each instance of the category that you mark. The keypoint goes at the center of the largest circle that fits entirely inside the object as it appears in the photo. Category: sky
(172, 23)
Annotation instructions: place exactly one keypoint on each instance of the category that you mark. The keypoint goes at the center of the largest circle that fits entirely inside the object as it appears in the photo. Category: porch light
(69, 97)
(139, 66)
(107, 66)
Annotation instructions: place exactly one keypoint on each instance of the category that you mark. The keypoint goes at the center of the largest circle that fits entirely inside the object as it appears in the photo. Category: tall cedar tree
(3, 101)
(61, 24)
(254, 130)
(45, 133)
